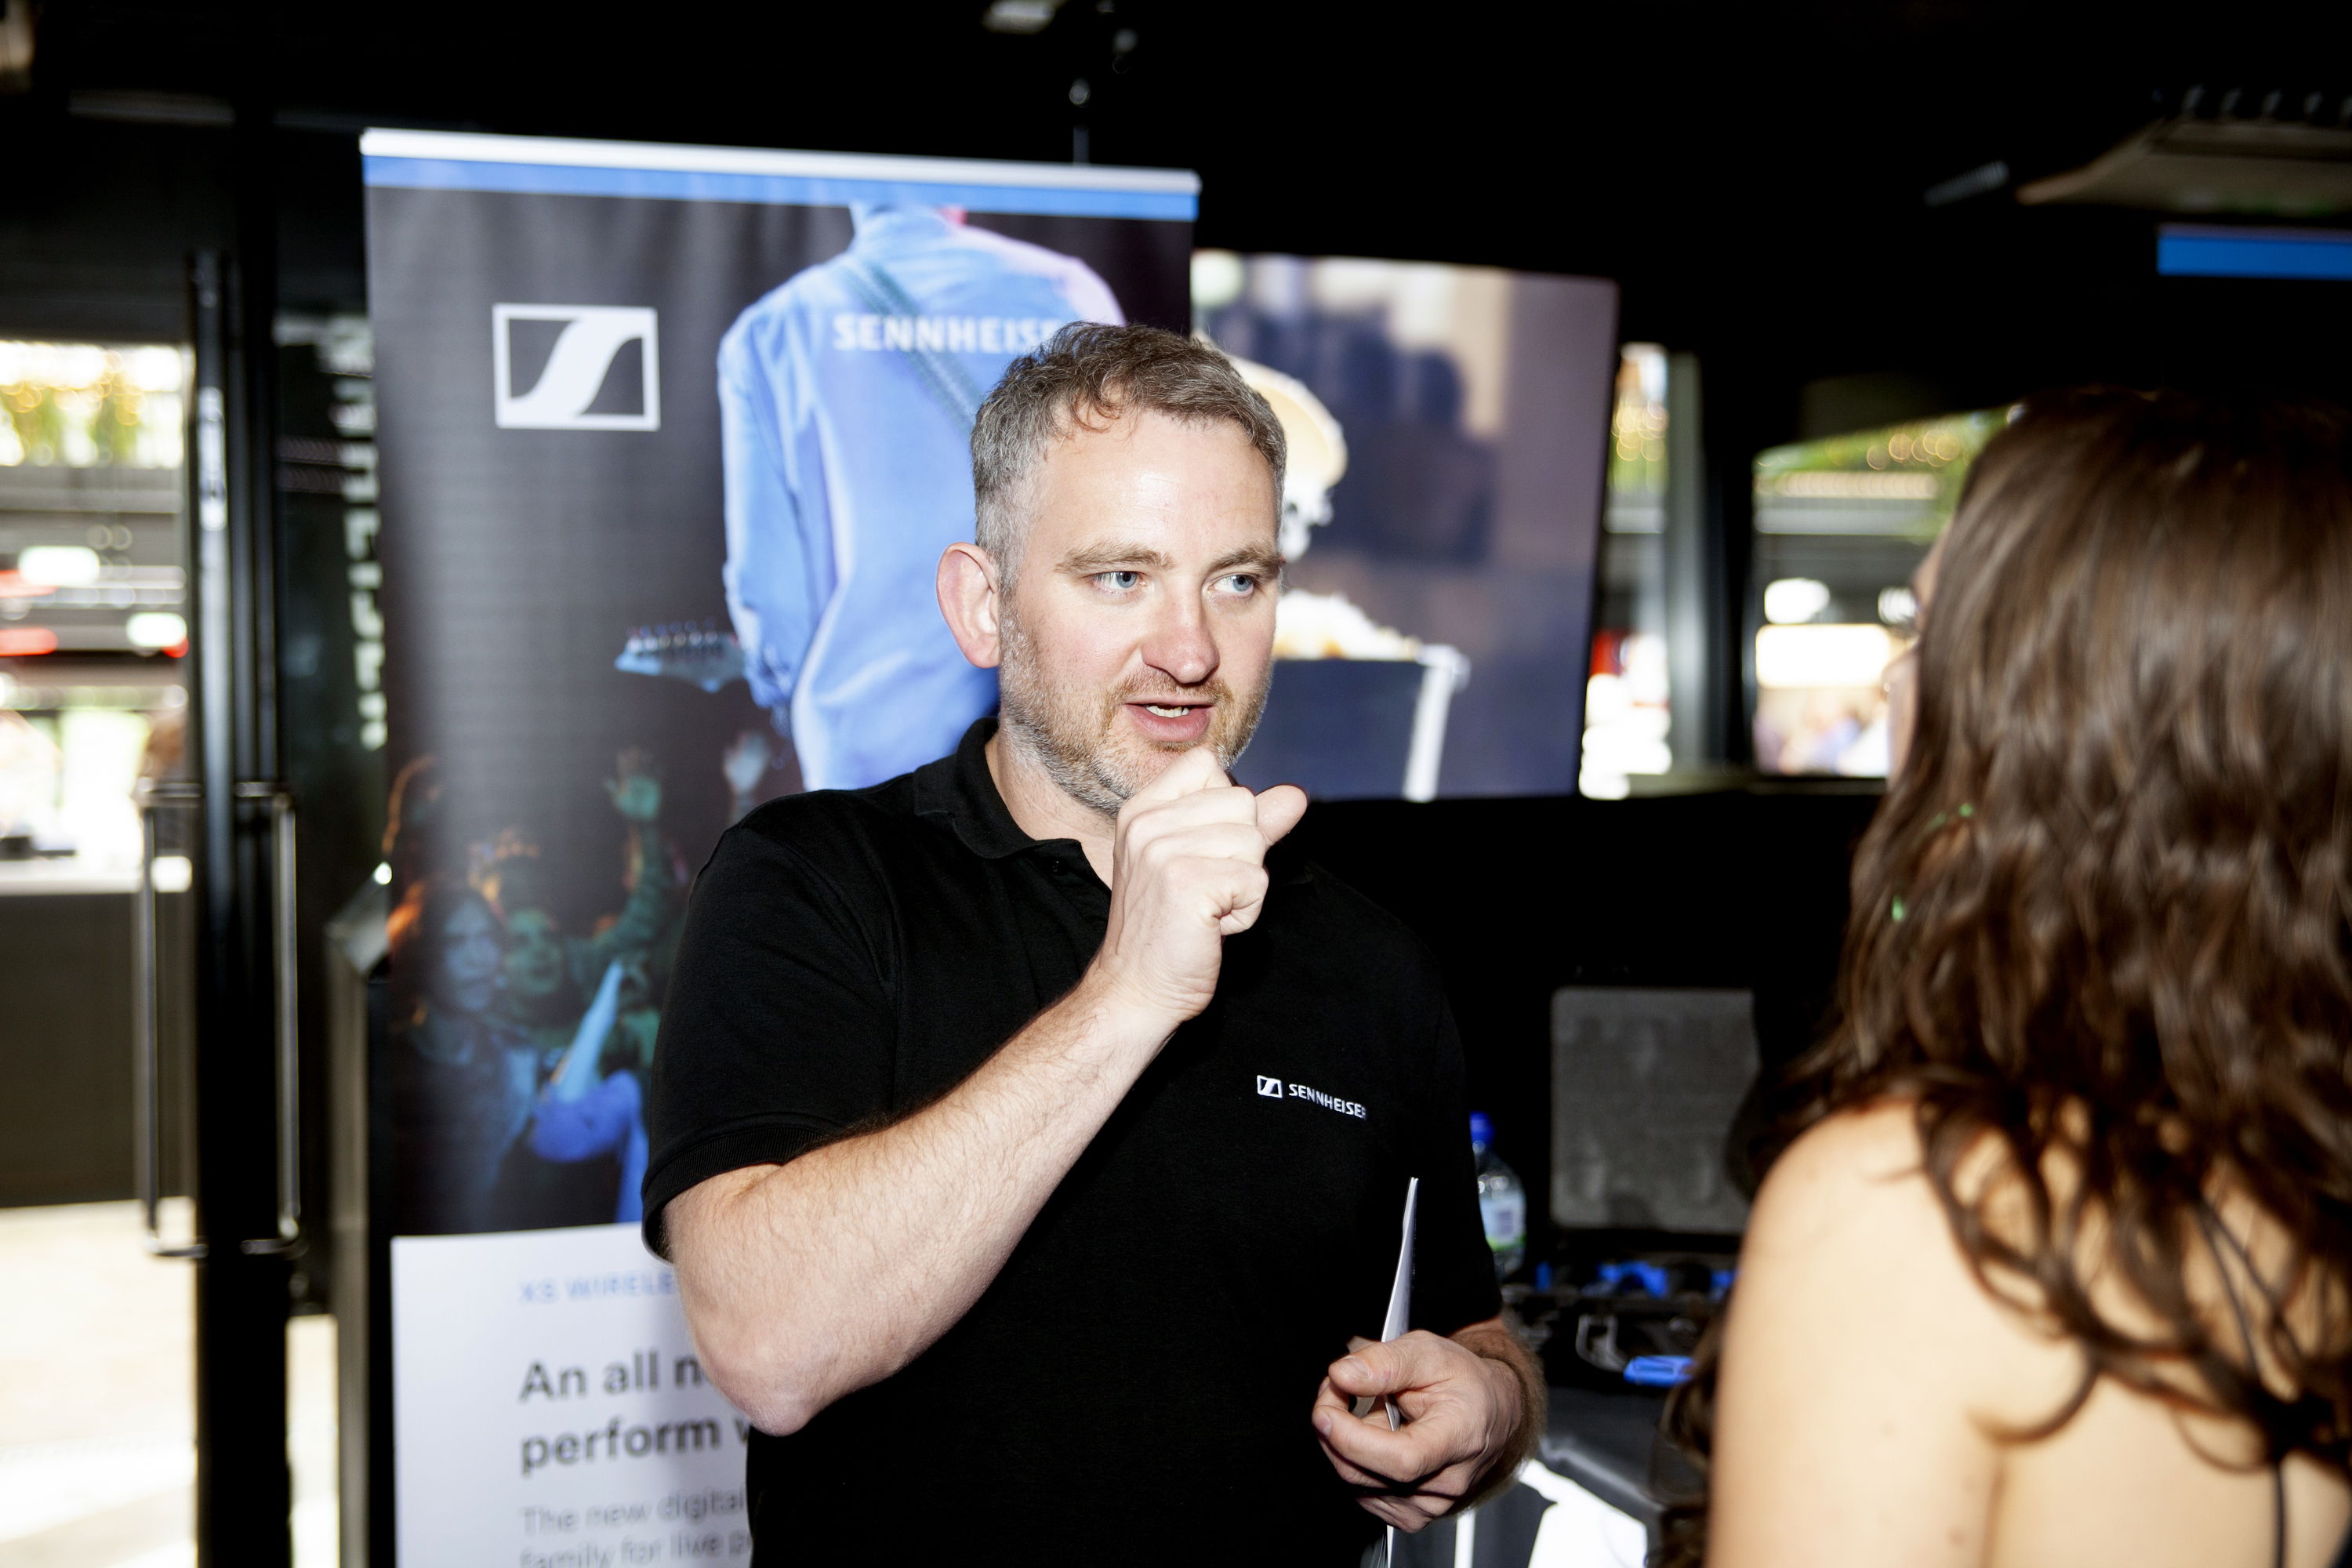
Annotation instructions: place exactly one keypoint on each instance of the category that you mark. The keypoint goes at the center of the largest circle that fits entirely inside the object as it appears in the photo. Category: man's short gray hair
(1087, 373)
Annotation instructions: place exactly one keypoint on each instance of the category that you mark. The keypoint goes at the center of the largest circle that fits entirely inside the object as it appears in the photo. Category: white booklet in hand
(1400, 1317)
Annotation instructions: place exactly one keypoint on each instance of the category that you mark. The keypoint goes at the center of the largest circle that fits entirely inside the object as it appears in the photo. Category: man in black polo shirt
(1031, 1132)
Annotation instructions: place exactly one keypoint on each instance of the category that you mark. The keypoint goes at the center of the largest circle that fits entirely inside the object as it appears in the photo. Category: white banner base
(551, 1411)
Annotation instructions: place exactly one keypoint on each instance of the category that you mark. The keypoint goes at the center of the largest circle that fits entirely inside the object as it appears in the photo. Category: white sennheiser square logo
(1269, 1086)
(575, 367)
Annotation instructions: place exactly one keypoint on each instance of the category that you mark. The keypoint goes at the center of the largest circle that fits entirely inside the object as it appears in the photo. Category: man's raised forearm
(809, 1281)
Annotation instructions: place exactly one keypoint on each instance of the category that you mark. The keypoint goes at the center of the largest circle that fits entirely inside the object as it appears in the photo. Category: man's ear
(968, 599)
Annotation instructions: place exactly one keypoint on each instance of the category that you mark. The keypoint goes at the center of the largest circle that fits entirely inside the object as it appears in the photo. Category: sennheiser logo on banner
(1269, 1086)
(576, 367)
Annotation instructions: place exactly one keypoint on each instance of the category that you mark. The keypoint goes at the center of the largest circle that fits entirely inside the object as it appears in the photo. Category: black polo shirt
(1137, 1384)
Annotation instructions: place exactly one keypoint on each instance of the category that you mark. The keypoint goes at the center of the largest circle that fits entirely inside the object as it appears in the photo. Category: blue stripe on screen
(773, 190)
(2193, 253)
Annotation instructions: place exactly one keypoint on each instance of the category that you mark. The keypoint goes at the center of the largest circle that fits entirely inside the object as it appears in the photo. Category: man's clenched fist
(1187, 871)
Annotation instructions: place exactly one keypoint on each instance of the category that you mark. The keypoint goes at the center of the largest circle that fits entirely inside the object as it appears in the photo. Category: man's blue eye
(1122, 580)
(1241, 583)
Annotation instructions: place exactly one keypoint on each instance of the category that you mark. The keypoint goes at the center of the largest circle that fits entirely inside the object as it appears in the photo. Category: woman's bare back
(1875, 1404)
(2122, 1484)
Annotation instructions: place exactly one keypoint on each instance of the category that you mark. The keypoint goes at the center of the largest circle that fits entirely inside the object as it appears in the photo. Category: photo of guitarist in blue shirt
(847, 401)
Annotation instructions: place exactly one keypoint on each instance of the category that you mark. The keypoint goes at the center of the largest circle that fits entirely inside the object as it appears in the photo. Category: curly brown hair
(2104, 912)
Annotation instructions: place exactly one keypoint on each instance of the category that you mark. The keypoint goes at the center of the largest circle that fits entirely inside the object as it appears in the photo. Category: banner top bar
(441, 146)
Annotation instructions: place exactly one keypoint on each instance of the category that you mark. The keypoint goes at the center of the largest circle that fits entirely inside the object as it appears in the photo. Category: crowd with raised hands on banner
(520, 1044)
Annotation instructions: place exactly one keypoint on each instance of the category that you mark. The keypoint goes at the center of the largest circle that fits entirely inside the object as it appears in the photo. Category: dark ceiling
(1754, 175)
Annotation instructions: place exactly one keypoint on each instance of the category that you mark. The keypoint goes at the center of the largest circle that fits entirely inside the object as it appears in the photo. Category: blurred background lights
(155, 368)
(1834, 657)
(156, 629)
(26, 642)
(1853, 513)
(1019, 15)
(1625, 714)
(82, 405)
(1794, 600)
(59, 565)
(1218, 277)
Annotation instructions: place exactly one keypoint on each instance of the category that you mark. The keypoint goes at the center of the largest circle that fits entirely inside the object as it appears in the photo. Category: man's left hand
(1463, 1411)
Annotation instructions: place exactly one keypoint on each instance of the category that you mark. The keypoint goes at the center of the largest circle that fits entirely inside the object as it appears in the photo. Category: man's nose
(1182, 647)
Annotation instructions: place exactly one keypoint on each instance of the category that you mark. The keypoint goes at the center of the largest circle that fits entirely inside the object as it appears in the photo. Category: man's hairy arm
(812, 1280)
(809, 1281)
(1497, 1341)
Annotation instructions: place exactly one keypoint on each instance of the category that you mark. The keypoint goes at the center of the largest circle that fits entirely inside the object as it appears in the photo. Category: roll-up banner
(671, 439)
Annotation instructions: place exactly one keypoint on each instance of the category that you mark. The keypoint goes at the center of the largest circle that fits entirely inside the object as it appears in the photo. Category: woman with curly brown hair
(2055, 1269)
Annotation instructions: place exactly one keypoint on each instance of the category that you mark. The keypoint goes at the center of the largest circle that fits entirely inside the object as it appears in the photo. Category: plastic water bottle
(1502, 1200)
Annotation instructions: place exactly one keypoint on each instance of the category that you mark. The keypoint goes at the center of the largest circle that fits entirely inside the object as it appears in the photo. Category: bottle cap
(1658, 1371)
(1482, 1131)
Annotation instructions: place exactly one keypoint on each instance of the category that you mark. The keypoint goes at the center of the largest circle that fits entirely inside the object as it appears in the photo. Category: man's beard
(1073, 731)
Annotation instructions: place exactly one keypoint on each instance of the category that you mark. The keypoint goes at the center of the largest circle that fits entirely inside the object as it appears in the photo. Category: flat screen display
(1448, 428)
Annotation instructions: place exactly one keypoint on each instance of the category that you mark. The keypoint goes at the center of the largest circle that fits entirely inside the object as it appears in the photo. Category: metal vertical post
(244, 1488)
(1693, 623)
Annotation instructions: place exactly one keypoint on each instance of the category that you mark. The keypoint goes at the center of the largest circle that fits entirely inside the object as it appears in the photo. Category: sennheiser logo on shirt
(1275, 1089)
(575, 367)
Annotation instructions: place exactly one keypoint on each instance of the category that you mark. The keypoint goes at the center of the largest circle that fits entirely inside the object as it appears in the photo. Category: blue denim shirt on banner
(846, 398)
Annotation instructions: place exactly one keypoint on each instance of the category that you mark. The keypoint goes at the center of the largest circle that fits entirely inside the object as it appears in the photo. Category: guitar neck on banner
(698, 655)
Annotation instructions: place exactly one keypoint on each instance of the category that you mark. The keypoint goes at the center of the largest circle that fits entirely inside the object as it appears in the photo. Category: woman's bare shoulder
(1846, 1177)
(1849, 1228)
(1866, 1165)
